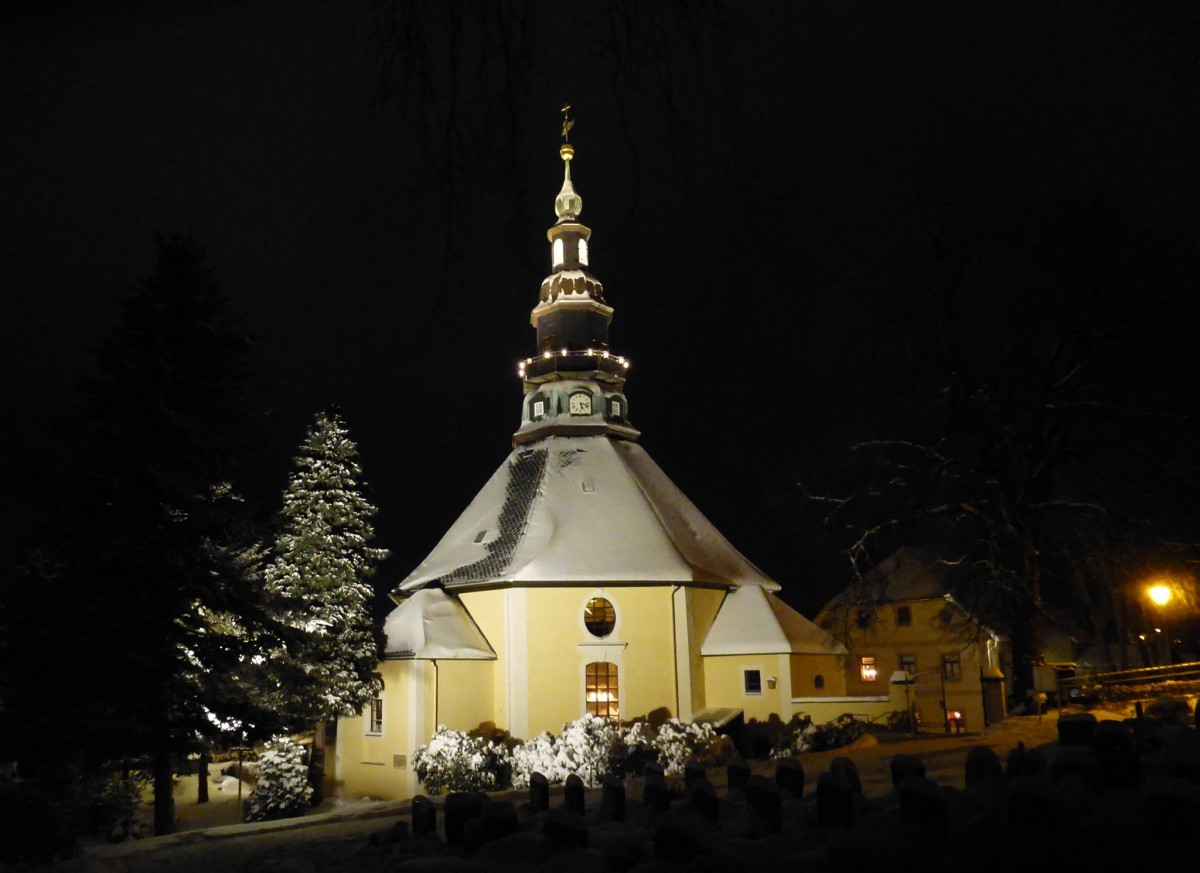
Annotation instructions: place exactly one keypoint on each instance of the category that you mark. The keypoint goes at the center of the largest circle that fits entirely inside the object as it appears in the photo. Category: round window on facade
(599, 617)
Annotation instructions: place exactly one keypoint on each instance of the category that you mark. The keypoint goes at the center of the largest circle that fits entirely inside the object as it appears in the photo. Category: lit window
(866, 668)
(903, 616)
(599, 617)
(909, 663)
(601, 692)
(583, 252)
(951, 666)
(752, 681)
(539, 408)
(557, 249)
(375, 716)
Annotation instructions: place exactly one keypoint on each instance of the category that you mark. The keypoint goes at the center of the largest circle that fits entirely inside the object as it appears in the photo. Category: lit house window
(375, 716)
(866, 668)
(599, 617)
(583, 252)
(752, 681)
(951, 666)
(557, 250)
(601, 693)
(903, 616)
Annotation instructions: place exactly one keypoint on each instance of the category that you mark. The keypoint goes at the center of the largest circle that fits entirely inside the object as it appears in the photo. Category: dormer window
(580, 403)
(537, 407)
(557, 252)
(616, 409)
(583, 252)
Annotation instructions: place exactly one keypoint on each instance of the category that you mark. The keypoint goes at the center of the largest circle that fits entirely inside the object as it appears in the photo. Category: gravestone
(982, 764)
(653, 768)
(397, 833)
(789, 776)
(849, 769)
(573, 795)
(692, 773)
(1031, 803)
(499, 819)
(565, 830)
(835, 799)
(904, 767)
(704, 801)
(680, 839)
(539, 792)
(1076, 729)
(460, 807)
(424, 815)
(762, 796)
(655, 796)
(736, 774)
(924, 803)
(1120, 764)
(1079, 760)
(612, 798)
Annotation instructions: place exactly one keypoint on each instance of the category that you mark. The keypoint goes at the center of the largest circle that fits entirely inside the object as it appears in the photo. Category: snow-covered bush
(456, 761)
(282, 790)
(801, 735)
(590, 747)
(675, 742)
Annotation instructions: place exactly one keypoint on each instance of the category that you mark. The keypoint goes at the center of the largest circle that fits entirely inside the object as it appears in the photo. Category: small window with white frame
(752, 681)
(539, 409)
(583, 255)
(375, 717)
(951, 666)
(557, 252)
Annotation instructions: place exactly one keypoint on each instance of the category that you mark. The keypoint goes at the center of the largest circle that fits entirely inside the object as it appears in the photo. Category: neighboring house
(902, 617)
(580, 579)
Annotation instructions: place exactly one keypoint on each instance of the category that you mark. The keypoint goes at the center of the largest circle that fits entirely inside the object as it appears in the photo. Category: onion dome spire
(568, 204)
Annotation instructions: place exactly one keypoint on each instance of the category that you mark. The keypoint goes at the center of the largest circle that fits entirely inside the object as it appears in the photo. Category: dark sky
(373, 182)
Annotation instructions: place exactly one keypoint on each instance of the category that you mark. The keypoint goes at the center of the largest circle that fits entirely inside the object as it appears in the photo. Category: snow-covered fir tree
(319, 578)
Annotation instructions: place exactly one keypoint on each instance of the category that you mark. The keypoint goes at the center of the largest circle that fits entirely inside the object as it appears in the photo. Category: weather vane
(568, 122)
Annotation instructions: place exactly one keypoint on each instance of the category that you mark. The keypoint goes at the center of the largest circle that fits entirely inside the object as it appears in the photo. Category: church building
(580, 579)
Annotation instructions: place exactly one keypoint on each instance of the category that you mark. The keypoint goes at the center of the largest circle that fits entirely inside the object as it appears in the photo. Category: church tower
(574, 383)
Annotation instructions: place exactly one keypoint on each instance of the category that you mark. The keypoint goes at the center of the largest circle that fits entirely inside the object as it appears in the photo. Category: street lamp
(1161, 595)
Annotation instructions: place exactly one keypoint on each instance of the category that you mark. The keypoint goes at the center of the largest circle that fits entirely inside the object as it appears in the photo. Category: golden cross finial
(568, 122)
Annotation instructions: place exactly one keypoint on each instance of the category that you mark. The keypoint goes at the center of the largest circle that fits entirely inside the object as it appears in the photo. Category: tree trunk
(202, 778)
(316, 763)
(164, 788)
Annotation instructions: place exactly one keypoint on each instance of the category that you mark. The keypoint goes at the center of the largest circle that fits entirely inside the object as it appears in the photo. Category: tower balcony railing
(572, 361)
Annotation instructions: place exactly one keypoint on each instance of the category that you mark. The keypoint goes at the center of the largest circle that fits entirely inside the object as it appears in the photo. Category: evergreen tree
(116, 649)
(318, 578)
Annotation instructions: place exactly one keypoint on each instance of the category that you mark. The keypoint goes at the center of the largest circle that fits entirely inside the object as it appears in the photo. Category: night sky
(373, 182)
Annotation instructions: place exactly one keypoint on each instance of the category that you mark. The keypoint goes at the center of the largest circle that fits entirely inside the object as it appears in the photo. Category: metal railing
(1125, 683)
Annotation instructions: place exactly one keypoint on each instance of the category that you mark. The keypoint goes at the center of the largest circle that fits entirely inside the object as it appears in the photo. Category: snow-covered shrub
(282, 790)
(590, 747)
(456, 761)
(112, 807)
(801, 735)
(675, 742)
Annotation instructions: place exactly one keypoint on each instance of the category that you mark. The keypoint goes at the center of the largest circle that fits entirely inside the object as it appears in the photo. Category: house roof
(906, 574)
(432, 624)
(752, 621)
(577, 510)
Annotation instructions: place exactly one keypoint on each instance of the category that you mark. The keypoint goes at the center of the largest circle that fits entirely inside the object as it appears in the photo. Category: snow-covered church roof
(752, 621)
(582, 509)
(433, 624)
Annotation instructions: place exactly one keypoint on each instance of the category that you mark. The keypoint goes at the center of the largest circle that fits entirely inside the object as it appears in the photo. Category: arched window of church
(557, 250)
(602, 693)
(583, 252)
(599, 617)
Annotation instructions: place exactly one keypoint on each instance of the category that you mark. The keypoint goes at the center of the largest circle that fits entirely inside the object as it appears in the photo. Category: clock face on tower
(580, 404)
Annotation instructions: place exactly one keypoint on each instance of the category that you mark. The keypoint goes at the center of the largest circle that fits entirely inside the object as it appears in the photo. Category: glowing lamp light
(546, 355)
(868, 673)
(1160, 595)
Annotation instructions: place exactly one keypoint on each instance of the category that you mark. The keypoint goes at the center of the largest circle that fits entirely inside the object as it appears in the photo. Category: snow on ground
(334, 838)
